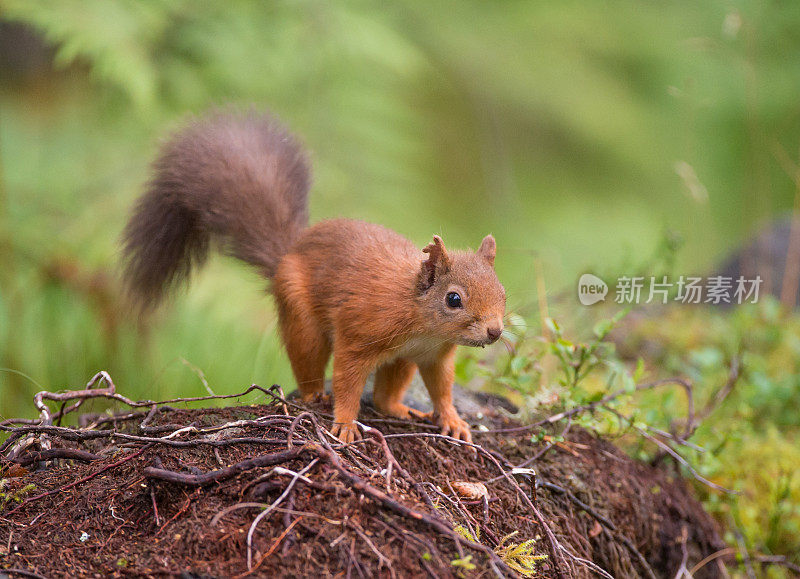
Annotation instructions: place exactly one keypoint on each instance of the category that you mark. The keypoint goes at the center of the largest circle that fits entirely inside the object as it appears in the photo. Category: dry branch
(199, 480)
(54, 453)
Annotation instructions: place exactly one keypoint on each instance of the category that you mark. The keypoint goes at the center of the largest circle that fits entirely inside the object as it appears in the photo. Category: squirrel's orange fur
(354, 290)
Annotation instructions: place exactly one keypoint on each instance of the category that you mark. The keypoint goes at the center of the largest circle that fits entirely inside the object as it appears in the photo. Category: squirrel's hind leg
(308, 353)
(307, 344)
(391, 383)
(308, 365)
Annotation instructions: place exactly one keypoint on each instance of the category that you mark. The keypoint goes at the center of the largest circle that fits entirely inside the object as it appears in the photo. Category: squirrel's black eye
(453, 300)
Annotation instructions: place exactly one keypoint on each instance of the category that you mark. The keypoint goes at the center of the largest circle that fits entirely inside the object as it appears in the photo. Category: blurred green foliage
(577, 132)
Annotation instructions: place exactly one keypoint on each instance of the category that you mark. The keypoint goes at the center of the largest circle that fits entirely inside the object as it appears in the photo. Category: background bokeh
(579, 133)
(586, 136)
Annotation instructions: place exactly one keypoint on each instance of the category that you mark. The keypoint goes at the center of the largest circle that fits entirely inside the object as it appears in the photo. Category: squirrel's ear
(488, 249)
(438, 262)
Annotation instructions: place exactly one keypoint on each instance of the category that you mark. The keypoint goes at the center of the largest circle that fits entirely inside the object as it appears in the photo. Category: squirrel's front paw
(346, 431)
(452, 424)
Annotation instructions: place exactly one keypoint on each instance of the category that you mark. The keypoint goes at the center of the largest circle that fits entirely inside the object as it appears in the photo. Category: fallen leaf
(596, 530)
(470, 490)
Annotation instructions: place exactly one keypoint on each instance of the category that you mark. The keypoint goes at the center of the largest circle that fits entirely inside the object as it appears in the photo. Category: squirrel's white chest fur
(420, 350)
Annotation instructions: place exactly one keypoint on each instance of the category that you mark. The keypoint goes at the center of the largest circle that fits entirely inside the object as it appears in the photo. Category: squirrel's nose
(494, 333)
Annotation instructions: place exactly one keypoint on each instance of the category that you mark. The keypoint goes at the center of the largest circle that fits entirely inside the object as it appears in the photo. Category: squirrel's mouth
(480, 343)
(476, 343)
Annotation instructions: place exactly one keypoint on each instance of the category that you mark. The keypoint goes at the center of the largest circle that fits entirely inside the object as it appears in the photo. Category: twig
(200, 442)
(111, 393)
(45, 423)
(722, 393)
(710, 558)
(53, 453)
(80, 481)
(269, 509)
(748, 565)
(182, 510)
(587, 563)
(155, 506)
(682, 570)
(687, 387)
(279, 388)
(383, 561)
(293, 426)
(353, 560)
(287, 522)
(674, 454)
(236, 507)
(272, 548)
(279, 397)
(382, 498)
(779, 560)
(23, 573)
(218, 457)
(12, 438)
(227, 472)
(83, 435)
(554, 546)
(377, 434)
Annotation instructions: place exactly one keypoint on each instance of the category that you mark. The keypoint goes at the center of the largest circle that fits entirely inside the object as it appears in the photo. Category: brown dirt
(107, 526)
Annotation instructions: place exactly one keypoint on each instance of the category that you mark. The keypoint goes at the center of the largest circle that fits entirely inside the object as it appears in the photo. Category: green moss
(750, 440)
(16, 496)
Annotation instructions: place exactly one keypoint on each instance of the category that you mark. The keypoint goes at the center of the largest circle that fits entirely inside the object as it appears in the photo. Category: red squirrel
(356, 290)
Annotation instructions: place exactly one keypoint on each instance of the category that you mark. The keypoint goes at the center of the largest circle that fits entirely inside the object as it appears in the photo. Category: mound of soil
(171, 492)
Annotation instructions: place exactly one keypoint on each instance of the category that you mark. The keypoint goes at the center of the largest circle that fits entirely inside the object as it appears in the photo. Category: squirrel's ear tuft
(488, 249)
(438, 262)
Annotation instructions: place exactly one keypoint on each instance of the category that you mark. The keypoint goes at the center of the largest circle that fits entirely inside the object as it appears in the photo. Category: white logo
(591, 289)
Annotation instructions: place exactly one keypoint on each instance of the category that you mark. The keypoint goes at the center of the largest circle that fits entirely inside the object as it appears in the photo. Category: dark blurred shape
(24, 55)
(773, 254)
(96, 286)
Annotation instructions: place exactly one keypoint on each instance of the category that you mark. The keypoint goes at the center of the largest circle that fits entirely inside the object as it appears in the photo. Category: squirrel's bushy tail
(236, 177)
